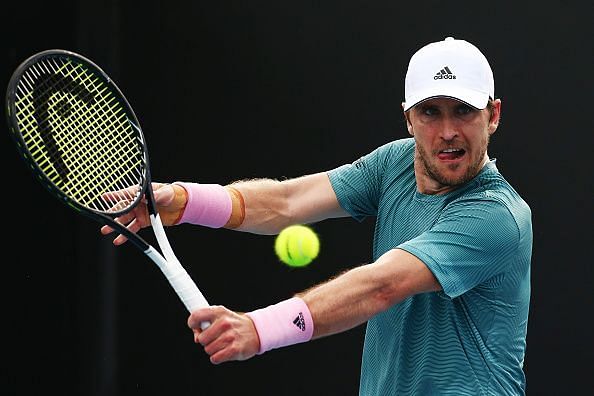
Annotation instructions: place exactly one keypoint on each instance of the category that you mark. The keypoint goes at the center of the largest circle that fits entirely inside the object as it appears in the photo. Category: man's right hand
(171, 202)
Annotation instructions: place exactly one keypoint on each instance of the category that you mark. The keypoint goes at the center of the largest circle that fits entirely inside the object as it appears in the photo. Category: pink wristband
(208, 205)
(286, 323)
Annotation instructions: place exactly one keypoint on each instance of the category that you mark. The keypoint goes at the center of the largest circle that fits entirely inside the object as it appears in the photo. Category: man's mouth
(450, 154)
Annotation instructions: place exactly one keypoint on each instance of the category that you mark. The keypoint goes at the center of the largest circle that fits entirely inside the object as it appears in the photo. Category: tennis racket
(83, 142)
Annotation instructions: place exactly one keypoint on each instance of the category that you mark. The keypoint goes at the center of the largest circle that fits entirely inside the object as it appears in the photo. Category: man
(446, 297)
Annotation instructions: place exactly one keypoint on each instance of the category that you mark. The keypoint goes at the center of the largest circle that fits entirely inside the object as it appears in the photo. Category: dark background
(232, 90)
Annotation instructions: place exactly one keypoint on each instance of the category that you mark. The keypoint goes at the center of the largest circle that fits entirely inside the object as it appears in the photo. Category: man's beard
(434, 173)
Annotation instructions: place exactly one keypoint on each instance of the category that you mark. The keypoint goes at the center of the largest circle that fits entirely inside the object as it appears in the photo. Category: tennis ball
(297, 245)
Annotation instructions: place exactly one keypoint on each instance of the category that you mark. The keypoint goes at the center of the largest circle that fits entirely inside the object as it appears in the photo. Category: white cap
(449, 68)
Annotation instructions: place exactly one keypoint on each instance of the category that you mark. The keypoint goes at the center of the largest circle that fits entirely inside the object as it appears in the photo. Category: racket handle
(185, 288)
(177, 276)
(188, 292)
(181, 282)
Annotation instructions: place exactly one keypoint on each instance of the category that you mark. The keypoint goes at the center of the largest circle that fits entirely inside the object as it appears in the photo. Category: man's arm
(352, 298)
(261, 206)
(272, 205)
(335, 306)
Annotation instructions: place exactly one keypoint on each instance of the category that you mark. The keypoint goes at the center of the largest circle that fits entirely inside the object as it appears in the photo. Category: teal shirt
(470, 338)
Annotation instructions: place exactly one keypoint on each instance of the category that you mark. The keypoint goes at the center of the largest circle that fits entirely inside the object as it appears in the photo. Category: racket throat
(164, 244)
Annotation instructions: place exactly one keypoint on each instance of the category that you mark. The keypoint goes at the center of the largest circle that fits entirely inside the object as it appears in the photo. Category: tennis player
(446, 297)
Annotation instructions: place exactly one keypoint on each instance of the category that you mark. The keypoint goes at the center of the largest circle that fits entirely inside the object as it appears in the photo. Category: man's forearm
(358, 294)
(260, 206)
(266, 206)
(343, 302)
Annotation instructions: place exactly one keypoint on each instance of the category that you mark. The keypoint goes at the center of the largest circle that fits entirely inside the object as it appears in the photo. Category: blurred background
(232, 90)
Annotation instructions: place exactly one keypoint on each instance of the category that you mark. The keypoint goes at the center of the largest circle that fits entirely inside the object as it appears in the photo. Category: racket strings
(56, 86)
(80, 134)
(91, 157)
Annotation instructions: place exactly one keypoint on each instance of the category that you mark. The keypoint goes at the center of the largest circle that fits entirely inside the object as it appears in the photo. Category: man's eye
(464, 109)
(430, 111)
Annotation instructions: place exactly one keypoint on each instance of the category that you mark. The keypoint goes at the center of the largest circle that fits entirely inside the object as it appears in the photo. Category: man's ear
(495, 116)
(408, 124)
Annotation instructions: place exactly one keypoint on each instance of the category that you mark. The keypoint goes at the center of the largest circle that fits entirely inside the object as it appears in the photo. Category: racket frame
(40, 174)
(167, 262)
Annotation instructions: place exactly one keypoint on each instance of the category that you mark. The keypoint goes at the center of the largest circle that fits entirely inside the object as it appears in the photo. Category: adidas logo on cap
(445, 73)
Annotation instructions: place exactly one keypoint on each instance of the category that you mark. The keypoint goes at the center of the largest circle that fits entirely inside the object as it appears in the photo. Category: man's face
(451, 141)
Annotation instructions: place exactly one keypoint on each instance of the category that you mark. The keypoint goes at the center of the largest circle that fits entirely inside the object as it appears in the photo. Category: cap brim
(475, 99)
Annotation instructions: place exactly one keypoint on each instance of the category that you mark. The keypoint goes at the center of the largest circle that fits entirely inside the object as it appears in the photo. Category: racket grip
(181, 282)
(188, 292)
(175, 273)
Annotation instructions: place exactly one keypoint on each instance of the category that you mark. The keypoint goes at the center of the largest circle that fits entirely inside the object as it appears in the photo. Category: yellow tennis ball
(297, 245)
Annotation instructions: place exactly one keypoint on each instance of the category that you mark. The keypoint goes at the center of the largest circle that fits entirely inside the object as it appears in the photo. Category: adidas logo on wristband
(299, 321)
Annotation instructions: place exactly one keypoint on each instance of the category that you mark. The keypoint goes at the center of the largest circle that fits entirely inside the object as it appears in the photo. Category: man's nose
(450, 129)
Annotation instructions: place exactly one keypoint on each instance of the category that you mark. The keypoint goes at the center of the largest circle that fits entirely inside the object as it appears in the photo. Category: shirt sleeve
(358, 185)
(472, 241)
